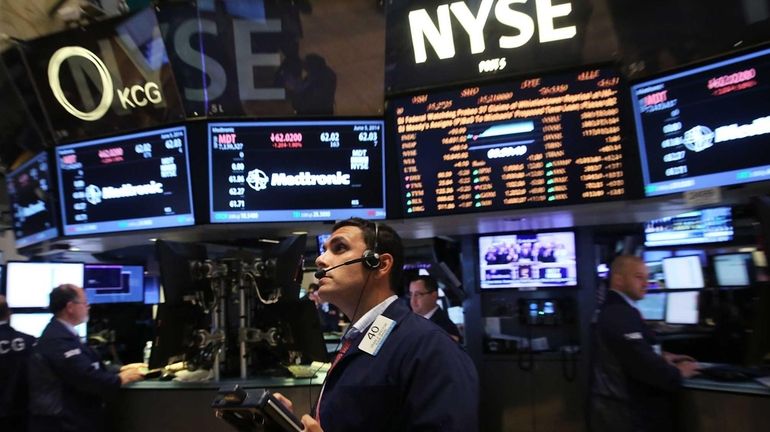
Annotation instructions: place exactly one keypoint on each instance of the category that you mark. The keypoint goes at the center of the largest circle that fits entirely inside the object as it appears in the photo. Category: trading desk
(154, 405)
(708, 405)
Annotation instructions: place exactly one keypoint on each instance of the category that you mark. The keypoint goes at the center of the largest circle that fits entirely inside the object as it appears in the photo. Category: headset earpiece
(371, 256)
(371, 259)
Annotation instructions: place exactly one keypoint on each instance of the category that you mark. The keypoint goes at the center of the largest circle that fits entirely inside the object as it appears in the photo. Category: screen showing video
(296, 171)
(129, 182)
(705, 126)
(527, 260)
(31, 199)
(550, 139)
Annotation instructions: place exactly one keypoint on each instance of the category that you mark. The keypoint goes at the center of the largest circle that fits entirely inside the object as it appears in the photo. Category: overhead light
(263, 240)
(74, 249)
(153, 239)
(299, 232)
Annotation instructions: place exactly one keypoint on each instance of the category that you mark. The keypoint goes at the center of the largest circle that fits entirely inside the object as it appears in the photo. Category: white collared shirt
(429, 315)
(369, 317)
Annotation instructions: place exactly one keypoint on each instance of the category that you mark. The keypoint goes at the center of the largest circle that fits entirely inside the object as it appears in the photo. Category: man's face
(421, 300)
(634, 280)
(78, 308)
(343, 283)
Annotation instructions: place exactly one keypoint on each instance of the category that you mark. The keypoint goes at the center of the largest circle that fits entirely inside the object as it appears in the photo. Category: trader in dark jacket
(632, 385)
(423, 297)
(397, 372)
(68, 381)
(14, 352)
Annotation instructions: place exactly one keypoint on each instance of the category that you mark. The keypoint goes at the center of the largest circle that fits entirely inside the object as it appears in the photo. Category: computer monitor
(275, 171)
(652, 306)
(527, 260)
(683, 272)
(113, 283)
(682, 307)
(28, 284)
(704, 125)
(321, 239)
(733, 270)
(128, 182)
(695, 227)
(174, 259)
(303, 331)
(175, 325)
(32, 203)
(34, 323)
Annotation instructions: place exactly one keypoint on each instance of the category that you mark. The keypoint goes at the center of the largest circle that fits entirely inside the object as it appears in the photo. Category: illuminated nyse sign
(540, 141)
(441, 38)
(129, 97)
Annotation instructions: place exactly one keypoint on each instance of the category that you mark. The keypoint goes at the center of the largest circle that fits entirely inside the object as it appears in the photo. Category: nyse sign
(433, 43)
(441, 38)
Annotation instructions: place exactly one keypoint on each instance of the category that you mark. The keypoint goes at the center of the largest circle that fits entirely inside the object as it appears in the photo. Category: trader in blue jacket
(632, 385)
(14, 354)
(395, 370)
(68, 382)
(423, 298)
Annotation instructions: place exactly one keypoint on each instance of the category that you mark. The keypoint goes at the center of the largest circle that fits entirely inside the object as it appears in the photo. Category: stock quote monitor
(545, 140)
(128, 182)
(698, 226)
(705, 126)
(113, 283)
(27, 284)
(34, 323)
(32, 204)
(296, 170)
(527, 260)
(682, 307)
(652, 306)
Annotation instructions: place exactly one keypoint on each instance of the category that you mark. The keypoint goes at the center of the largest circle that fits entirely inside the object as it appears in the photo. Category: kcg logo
(129, 97)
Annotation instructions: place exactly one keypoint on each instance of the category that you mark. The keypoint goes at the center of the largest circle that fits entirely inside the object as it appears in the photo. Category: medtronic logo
(257, 179)
(93, 194)
(129, 97)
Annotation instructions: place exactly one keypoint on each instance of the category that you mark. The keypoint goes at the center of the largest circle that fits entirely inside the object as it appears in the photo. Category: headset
(370, 258)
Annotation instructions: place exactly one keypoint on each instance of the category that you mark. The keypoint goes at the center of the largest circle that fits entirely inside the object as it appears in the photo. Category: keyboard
(729, 373)
(302, 371)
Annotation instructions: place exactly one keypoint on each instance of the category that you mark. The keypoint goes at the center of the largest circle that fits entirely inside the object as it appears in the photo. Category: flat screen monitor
(705, 126)
(698, 226)
(683, 272)
(682, 307)
(128, 182)
(652, 306)
(296, 170)
(733, 270)
(527, 260)
(34, 323)
(113, 283)
(31, 200)
(549, 139)
(28, 284)
(321, 239)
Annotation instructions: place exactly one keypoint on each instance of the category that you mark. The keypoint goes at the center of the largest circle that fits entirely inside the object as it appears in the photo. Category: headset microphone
(322, 272)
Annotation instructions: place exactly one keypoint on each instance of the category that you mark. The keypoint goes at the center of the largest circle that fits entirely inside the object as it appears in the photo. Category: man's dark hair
(430, 284)
(388, 242)
(5, 312)
(60, 296)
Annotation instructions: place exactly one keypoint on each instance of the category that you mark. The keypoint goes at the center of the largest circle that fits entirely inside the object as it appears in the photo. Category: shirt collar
(429, 315)
(626, 298)
(69, 326)
(373, 313)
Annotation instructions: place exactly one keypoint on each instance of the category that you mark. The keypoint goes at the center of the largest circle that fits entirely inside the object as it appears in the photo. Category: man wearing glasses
(423, 297)
(67, 379)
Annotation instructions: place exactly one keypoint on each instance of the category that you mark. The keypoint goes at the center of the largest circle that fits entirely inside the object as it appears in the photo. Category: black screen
(29, 191)
(539, 141)
(287, 171)
(705, 126)
(128, 182)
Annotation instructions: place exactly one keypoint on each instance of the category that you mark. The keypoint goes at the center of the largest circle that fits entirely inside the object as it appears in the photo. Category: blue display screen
(128, 182)
(32, 207)
(705, 126)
